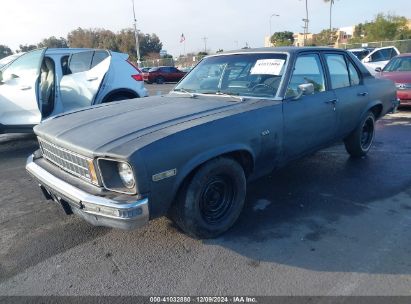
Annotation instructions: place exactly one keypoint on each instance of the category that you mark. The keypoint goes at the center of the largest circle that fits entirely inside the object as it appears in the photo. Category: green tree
(5, 51)
(285, 38)
(83, 38)
(123, 41)
(382, 28)
(325, 37)
(26, 48)
(53, 42)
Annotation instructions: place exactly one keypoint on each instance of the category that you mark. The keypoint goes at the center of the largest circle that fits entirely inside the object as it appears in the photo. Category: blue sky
(223, 22)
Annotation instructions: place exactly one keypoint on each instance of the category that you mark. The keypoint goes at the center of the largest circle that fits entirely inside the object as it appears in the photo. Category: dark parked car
(189, 155)
(145, 70)
(399, 71)
(163, 74)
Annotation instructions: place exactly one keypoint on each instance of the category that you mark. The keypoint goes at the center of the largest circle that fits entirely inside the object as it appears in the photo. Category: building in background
(267, 42)
(344, 34)
(299, 39)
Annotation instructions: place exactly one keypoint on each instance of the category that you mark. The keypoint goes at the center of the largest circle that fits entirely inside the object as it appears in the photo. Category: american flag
(182, 38)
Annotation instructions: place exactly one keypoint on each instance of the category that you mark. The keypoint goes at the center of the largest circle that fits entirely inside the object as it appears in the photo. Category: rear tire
(211, 202)
(359, 142)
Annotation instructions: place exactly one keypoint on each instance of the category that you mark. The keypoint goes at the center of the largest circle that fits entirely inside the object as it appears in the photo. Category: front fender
(205, 156)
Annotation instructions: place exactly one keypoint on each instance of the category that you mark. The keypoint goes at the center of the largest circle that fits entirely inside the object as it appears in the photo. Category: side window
(80, 62)
(27, 65)
(338, 71)
(64, 65)
(174, 70)
(354, 76)
(382, 55)
(308, 69)
(393, 53)
(98, 57)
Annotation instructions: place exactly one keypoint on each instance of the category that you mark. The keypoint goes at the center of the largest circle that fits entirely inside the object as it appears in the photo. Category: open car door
(83, 78)
(20, 105)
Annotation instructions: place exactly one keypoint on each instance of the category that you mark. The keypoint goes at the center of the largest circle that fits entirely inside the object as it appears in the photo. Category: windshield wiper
(240, 98)
(192, 95)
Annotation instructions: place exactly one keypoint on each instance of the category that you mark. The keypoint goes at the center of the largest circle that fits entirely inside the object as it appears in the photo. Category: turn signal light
(92, 170)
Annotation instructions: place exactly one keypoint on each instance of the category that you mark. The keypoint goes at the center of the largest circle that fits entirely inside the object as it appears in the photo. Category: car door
(309, 121)
(19, 96)
(351, 93)
(85, 73)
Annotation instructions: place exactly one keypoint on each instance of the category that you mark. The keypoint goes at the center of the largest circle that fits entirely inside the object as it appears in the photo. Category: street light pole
(205, 44)
(273, 15)
(136, 36)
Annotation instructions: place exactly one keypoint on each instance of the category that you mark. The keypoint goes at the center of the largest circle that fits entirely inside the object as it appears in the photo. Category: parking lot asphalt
(323, 225)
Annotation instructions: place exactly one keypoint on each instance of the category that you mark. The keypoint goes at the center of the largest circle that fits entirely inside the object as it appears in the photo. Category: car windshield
(360, 54)
(399, 64)
(253, 75)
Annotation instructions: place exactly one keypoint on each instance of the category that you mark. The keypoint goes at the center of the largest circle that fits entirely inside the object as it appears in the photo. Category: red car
(163, 74)
(399, 71)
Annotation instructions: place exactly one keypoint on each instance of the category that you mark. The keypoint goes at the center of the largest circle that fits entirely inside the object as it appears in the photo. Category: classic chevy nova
(189, 154)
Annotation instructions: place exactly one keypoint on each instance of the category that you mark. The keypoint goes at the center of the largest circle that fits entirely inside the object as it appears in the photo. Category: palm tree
(331, 10)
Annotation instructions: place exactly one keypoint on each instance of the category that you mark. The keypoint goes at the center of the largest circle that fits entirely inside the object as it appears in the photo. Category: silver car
(46, 82)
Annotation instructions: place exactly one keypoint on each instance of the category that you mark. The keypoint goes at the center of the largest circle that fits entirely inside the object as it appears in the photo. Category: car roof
(290, 50)
(66, 50)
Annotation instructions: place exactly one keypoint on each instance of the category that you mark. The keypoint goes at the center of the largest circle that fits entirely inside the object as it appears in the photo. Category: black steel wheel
(359, 142)
(211, 201)
(216, 199)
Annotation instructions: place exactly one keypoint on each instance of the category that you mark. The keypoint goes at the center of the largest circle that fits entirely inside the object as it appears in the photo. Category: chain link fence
(180, 62)
(404, 46)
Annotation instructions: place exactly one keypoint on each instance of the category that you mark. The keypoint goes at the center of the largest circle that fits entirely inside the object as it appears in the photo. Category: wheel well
(244, 158)
(127, 93)
(376, 110)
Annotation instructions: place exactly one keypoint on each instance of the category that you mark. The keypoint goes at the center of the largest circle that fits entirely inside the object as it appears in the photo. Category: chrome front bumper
(97, 210)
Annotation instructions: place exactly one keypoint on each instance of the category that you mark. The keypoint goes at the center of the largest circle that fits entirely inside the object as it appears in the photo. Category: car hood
(101, 129)
(398, 77)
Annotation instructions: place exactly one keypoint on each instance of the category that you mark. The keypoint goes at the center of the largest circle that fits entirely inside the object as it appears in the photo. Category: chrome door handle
(363, 94)
(25, 88)
(92, 78)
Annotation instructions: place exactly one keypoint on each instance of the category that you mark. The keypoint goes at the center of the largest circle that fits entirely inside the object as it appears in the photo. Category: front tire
(160, 80)
(359, 142)
(211, 202)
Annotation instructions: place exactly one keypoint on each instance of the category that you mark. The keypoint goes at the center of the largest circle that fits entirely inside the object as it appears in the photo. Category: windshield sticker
(268, 67)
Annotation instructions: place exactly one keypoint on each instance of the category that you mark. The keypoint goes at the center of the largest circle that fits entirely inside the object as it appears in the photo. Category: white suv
(46, 82)
(377, 58)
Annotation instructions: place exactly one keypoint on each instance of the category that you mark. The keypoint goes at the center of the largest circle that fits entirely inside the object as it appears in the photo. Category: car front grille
(69, 161)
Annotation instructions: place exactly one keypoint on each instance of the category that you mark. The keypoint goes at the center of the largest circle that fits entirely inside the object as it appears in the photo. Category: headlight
(117, 175)
(126, 175)
(403, 86)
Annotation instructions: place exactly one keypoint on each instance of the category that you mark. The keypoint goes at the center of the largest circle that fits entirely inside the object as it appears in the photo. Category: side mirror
(378, 70)
(367, 59)
(304, 89)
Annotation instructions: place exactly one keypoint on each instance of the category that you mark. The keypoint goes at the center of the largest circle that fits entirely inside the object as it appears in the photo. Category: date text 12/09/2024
(204, 299)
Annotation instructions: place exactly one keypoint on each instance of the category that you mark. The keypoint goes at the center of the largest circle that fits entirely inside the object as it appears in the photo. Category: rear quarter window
(98, 57)
(80, 62)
